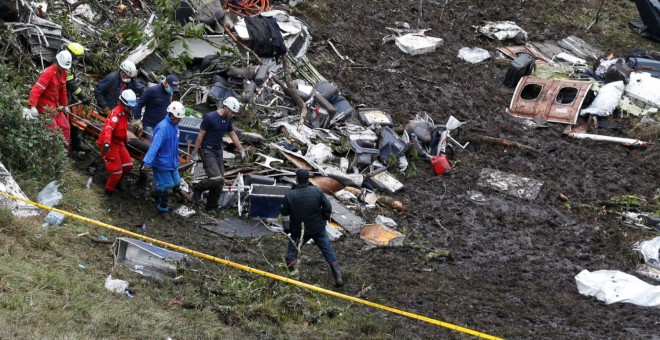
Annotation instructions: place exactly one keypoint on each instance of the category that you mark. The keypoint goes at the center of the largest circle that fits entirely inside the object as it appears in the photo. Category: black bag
(618, 71)
(522, 66)
(265, 37)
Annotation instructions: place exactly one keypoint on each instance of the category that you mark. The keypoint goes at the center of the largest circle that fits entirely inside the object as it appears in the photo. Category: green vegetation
(28, 150)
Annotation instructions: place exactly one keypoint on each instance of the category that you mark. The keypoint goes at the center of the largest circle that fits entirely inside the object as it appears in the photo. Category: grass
(45, 293)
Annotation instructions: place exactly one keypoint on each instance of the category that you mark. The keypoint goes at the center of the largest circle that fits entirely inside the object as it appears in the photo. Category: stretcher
(91, 122)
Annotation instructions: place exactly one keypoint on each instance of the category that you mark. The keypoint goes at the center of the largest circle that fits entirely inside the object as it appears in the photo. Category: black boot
(334, 267)
(108, 193)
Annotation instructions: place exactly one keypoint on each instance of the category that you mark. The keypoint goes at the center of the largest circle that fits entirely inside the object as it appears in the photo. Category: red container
(440, 164)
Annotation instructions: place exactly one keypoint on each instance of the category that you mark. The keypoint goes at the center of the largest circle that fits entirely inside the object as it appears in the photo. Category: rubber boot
(162, 205)
(334, 267)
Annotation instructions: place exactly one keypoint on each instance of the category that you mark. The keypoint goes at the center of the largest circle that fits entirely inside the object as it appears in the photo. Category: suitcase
(188, 130)
(520, 67)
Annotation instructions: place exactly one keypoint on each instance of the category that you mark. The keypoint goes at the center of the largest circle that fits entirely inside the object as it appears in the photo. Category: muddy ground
(513, 262)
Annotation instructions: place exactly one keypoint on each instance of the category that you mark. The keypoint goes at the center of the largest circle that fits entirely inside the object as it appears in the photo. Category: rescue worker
(155, 101)
(108, 89)
(209, 140)
(163, 156)
(74, 92)
(112, 141)
(306, 204)
(48, 95)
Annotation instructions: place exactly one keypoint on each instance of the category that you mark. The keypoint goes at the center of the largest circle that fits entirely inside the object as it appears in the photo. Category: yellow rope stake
(263, 273)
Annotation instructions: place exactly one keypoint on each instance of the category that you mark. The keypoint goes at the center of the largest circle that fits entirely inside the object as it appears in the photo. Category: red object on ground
(440, 164)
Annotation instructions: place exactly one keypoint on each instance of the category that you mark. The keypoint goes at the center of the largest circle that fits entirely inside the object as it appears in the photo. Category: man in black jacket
(309, 210)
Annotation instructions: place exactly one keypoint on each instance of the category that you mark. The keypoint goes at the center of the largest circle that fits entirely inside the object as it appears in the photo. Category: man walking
(211, 131)
(74, 92)
(163, 156)
(309, 210)
(112, 141)
(48, 95)
(107, 91)
(155, 101)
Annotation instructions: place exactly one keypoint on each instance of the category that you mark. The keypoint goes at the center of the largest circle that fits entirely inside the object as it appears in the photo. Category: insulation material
(417, 44)
(473, 54)
(606, 101)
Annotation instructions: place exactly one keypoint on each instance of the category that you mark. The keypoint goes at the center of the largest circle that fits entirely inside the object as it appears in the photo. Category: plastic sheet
(612, 286)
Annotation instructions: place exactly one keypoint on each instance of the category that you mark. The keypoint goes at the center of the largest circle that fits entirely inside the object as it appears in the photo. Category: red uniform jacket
(50, 90)
(115, 129)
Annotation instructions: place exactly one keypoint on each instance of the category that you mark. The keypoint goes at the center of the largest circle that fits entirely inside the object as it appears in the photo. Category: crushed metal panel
(380, 235)
(550, 100)
(9, 186)
(513, 51)
(579, 47)
(238, 227)
(514, 185)
(346, 219)
(146, 259)
(548, 49)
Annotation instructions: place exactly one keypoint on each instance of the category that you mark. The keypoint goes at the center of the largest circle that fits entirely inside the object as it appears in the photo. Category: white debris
(115, 286)
(570, 58)
(606, 101)
(86, 12)
(612, 286)
(9, 186)
(644, 88)
(502, 30)
(184, 211)
(319, 153)
(386, 221)
(473, 54)
(345, 195)
(415, 44)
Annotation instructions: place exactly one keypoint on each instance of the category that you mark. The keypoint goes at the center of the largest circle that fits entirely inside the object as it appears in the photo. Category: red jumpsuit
(47, 94)
(117, 160)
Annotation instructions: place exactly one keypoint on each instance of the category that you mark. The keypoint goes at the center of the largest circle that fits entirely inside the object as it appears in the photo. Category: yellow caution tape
(261, 272)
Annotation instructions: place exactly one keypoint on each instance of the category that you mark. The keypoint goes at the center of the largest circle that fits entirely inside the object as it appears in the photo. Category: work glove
(242, 154)
(106, 148)
(86, 100)
(196, 158)
(34, 113)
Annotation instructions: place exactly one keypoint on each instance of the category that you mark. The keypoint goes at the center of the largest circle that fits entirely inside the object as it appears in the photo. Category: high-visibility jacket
(115, 129)
(50, 90)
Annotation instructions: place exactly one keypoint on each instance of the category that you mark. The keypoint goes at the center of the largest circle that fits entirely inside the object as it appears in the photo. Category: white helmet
(177, 110)
(128, 98)
(232, 104)
(64, 59)
(129, 68)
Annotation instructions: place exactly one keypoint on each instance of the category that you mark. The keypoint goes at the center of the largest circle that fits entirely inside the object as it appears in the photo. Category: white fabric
(613, 286)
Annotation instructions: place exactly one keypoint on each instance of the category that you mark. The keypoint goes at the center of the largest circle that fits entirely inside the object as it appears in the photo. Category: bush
(26, 145)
